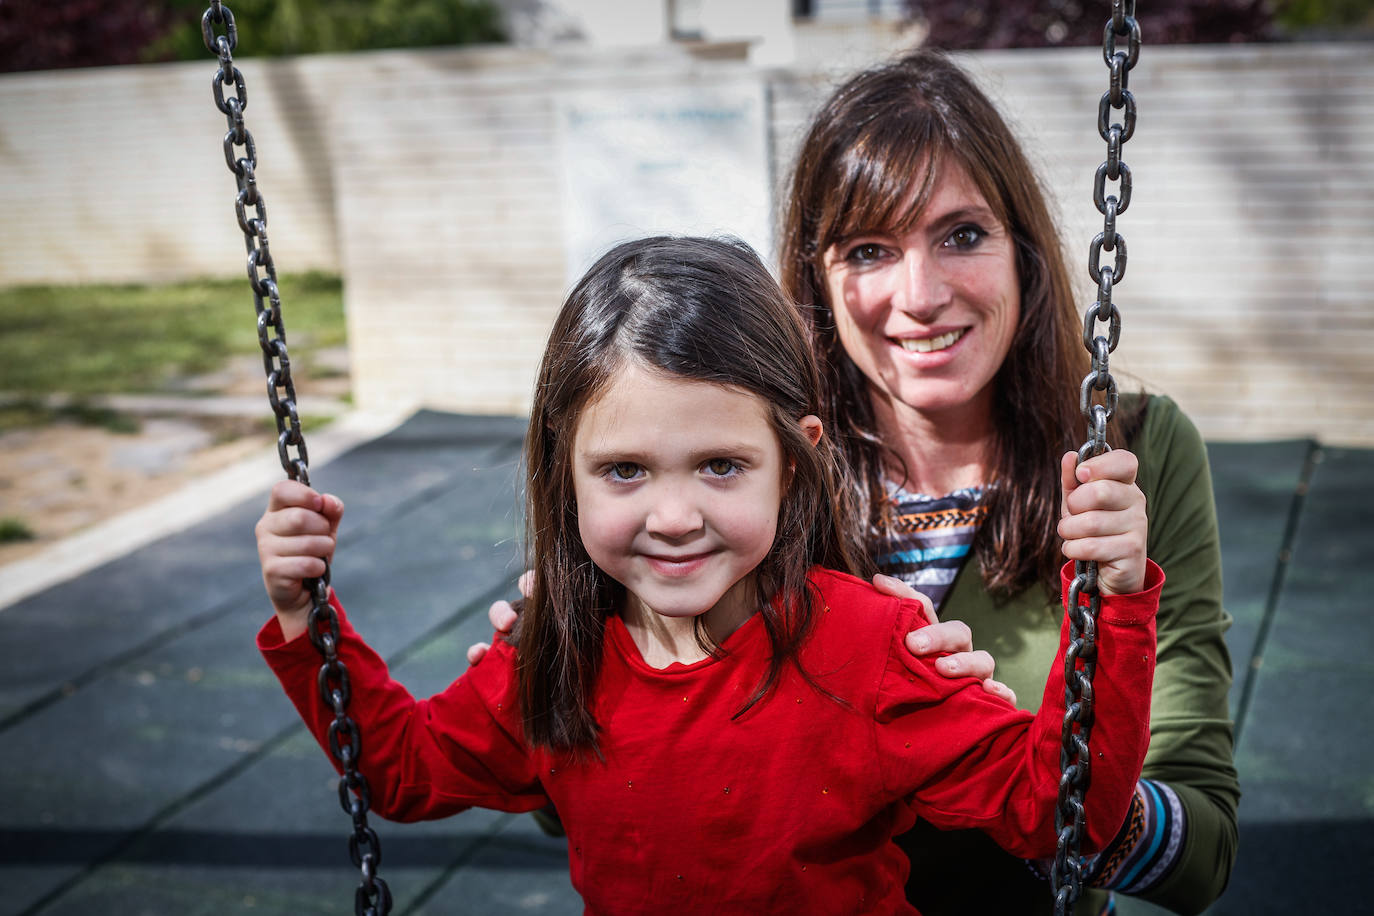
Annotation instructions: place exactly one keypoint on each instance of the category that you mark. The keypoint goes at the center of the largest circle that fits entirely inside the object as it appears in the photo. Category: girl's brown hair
(868, 164)
(700, 309)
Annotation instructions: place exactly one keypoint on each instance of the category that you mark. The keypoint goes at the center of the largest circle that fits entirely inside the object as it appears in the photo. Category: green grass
(13, 529)
(84, 340)
(28, 412)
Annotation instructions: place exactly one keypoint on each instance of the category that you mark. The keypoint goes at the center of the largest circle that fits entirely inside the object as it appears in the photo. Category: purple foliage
(974, 24)
(52, 34)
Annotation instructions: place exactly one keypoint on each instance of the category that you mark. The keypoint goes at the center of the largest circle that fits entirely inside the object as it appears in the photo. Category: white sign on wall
(670, 160)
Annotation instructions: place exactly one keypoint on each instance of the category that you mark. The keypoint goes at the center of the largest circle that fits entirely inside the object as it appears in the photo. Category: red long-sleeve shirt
(790, 807)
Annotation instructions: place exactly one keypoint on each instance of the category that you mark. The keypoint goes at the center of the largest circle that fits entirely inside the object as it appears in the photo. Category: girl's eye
(966, 236)
(721, 467)
(625, 470)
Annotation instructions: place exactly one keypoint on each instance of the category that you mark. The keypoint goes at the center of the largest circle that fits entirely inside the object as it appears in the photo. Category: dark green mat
(152, 766)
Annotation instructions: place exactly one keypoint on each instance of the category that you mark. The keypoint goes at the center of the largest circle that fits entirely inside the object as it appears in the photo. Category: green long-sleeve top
(1190, 724)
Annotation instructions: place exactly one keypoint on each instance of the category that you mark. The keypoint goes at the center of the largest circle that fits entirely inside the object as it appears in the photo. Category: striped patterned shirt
(931, 538)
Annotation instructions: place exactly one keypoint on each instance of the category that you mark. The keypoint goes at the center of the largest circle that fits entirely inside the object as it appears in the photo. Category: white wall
(765, 25)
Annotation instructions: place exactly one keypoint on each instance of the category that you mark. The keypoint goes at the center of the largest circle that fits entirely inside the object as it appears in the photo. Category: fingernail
(951, 665)
(922, 643)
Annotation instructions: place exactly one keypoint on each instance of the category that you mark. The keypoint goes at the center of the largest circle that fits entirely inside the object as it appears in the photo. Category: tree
(1331, 17)
(279, 27)
(43, 34)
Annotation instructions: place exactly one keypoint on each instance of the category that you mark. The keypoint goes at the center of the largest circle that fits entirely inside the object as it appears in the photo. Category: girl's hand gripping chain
(1102, 518)
(296, 536)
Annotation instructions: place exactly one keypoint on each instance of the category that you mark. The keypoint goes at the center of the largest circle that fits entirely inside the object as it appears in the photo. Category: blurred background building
(457, 188)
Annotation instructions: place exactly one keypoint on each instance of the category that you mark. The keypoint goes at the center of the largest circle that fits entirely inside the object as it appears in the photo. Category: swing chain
(1080, 660)
(373, 897)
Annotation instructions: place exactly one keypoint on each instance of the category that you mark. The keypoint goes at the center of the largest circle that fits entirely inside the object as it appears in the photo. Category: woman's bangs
(884, 181)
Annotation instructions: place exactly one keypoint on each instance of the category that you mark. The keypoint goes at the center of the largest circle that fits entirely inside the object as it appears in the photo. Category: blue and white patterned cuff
(1148, 846)
(1144, 851)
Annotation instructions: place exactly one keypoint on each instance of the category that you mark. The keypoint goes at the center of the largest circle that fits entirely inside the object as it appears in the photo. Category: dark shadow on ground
(1311, 866)
(225, 849)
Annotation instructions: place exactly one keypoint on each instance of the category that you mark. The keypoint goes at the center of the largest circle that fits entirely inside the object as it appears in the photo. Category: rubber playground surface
(151, 765)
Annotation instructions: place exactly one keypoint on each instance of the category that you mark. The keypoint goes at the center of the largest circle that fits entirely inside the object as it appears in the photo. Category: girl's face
(678, 486)
(929, 316)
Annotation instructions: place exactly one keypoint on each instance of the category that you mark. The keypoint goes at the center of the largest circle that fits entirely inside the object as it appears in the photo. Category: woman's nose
(922, 288)
(673, 514)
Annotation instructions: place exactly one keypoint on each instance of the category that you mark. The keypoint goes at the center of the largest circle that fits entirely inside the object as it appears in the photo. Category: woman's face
(929, 316)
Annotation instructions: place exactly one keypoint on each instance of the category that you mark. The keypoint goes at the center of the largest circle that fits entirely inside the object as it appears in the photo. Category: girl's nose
(673, 515)
(922, 288)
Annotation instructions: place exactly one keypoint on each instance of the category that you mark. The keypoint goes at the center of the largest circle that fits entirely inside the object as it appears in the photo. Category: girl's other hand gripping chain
(1102, 518)
(296, 536)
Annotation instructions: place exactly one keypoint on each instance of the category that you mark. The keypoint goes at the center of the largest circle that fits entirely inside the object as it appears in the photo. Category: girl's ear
(812, 429)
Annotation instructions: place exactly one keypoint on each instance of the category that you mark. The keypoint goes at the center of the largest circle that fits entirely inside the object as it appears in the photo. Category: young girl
(724, 725)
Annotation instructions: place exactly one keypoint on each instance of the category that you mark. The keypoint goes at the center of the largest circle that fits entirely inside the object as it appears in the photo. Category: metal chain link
(1080, 660)
(373, 897)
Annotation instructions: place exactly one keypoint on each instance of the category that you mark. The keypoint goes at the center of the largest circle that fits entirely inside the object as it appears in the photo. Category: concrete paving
(151, 765)
(185, 507)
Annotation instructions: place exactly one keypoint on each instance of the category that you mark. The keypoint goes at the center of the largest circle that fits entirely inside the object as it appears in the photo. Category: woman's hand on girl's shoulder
(1103, 518)
(502, 615)
(951, 636)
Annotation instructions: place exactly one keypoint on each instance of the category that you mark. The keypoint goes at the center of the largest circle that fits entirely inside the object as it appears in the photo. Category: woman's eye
(624, 470)
(965, 237)
(721, 467)
(865, 254)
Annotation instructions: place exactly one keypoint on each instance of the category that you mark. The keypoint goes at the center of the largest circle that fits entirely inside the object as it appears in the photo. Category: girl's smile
(678, 486)
(672, 566)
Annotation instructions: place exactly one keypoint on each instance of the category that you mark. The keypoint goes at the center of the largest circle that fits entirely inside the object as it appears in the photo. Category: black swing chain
(1081, 657)
(373, 897)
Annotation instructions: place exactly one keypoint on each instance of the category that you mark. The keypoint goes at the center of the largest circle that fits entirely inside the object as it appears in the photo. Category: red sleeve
(423, 759)
(963, 758)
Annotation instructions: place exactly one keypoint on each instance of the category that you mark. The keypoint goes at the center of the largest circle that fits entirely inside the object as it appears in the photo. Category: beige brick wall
(431, 181)
(117, 174)
(1250, 226)
(450, 216)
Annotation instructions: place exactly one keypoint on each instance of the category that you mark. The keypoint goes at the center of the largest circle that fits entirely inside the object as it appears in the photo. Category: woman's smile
(934, 343)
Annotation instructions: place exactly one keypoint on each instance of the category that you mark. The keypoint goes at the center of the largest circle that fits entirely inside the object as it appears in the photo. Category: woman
(918, 244)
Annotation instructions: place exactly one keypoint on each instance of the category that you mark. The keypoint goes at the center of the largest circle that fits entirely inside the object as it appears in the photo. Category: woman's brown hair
(700, 309)
(868, 164)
